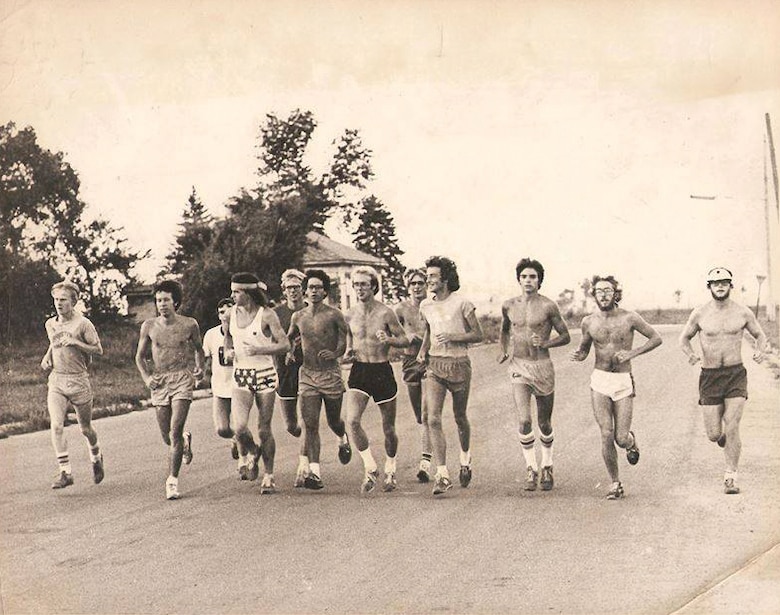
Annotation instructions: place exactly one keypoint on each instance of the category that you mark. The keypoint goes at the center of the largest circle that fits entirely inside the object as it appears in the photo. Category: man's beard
(606, 308)
(723, 298)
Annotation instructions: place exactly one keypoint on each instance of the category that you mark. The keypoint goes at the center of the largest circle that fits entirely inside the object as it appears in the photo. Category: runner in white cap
(723, 378)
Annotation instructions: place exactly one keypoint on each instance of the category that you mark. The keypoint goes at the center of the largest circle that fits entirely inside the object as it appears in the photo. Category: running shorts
(170, 386)
(255, 380)
(615, 385)
(454, 373)
(322, 382)
(374, 379)
(73, 387)
(413, 370)
(719, 383)
(538, 375)
(288, 381)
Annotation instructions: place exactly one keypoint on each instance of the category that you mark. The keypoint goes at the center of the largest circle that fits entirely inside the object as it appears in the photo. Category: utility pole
(770, 221)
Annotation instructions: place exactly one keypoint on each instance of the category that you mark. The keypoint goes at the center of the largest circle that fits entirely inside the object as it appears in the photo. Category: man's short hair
(410, 274)
(320, 275)
(173, 287)
(227, 301)
(292, 274)
(607, 278)
(449, 271)
(251, 285)
(530, 263)
(69, 286)
(371, 273)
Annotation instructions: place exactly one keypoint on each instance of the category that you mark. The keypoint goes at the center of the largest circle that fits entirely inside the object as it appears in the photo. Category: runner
(450, 326)
(287, 392)
(723, 381)
(529, 320)
(255, 335)
(611, 332)
(219, 365)
(171, 338)
(373, 329)
(408, 313)
(322, 332)
(72, 342)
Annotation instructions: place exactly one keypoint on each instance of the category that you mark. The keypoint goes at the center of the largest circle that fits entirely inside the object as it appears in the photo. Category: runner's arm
(689, 331)
(505, 335)
(653, 338)
(580, 353)
(561, 329)
(144, 344)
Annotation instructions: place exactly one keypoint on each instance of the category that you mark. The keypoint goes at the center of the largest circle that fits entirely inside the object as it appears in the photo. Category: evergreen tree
(195, 233)
(375, 235)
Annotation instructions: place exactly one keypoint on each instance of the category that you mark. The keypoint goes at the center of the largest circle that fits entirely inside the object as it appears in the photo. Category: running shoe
(267, 486)
(722, 441)
(300, 478)
(97, 470)
(234, 449)
(253, 464)
(424, 472)
(616, 492)
(390, 483)
(186, 455)
(465, 476)
(369, 482)
(531, 477)
(172, 491)
(63, 480)
(546, 478)
(632, 453)
(243, 472)
(441, 484)
(295, 430)
(345, 452)
(312, 481)
(730, 487)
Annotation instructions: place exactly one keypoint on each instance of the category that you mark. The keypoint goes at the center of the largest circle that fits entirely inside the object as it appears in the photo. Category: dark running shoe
(632, 453)
(312, 481)
(424, 472)
(234, 450)
(97, 470)
(546, 481)
(186, 455)
(616, 492)
(345, 452)
(730, 487)
(369, 482)
(465, 476)
(722, 441)
(531, 477)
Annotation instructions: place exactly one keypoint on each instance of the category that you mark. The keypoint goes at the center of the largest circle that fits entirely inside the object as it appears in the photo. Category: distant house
(338, 260)
(334, 258)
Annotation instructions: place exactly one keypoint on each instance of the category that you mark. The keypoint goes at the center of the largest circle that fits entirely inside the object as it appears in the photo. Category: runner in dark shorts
(376, 380)
(719, 383)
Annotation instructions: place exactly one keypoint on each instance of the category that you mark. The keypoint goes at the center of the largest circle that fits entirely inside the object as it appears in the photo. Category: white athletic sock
(730, 474)
(303, 463)
(344, 439)
(315, 469)
(368, 460)
(442, 471)
(547, 449)
(527, 442)
(465, 458)
(390, 465)
(172, 480)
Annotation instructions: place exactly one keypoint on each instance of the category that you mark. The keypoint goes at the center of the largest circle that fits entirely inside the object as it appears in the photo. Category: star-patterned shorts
(255, 380)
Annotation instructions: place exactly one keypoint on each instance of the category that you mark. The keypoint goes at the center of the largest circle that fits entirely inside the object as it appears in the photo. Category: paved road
(491, 548)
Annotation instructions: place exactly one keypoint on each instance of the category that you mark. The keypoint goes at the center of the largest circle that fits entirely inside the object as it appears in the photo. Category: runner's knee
(526, 427)
(225, 432)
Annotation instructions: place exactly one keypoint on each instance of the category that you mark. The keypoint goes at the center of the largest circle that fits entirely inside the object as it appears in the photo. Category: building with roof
(334, 258)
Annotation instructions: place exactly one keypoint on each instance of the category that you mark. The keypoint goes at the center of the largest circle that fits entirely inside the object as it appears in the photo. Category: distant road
(491, 548)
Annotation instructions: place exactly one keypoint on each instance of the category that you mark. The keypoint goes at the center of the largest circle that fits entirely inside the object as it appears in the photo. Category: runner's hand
(46, 363)
(622, 356)
(577, 355)
(693, 358)
(326, 355)
(759, 356)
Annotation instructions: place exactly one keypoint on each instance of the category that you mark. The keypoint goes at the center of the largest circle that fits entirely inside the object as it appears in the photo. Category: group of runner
(294, 352)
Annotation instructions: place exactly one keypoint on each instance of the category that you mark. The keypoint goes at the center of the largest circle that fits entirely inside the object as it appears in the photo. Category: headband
(247, 285)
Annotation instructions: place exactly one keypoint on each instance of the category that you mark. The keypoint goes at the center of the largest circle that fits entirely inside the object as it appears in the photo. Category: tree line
(46, 234)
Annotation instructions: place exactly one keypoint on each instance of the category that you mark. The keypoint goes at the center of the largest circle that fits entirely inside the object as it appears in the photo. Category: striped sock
(63, 461)
(547, 449)
(527, 442)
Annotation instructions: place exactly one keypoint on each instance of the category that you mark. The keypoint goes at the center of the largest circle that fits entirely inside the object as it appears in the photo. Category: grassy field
(118, 387)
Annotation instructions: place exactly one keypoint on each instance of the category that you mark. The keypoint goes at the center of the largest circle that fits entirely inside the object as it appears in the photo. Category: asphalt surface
(676, 542)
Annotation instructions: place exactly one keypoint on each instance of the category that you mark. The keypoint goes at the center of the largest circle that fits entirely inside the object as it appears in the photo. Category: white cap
(719, 273)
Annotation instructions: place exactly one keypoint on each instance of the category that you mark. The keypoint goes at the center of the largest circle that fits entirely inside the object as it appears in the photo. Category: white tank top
(253, 335)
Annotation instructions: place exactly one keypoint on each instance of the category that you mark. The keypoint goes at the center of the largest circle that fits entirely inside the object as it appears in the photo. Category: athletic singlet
(253, 335)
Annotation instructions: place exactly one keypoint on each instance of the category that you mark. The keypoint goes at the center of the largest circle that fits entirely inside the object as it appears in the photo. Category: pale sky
(573, 132)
